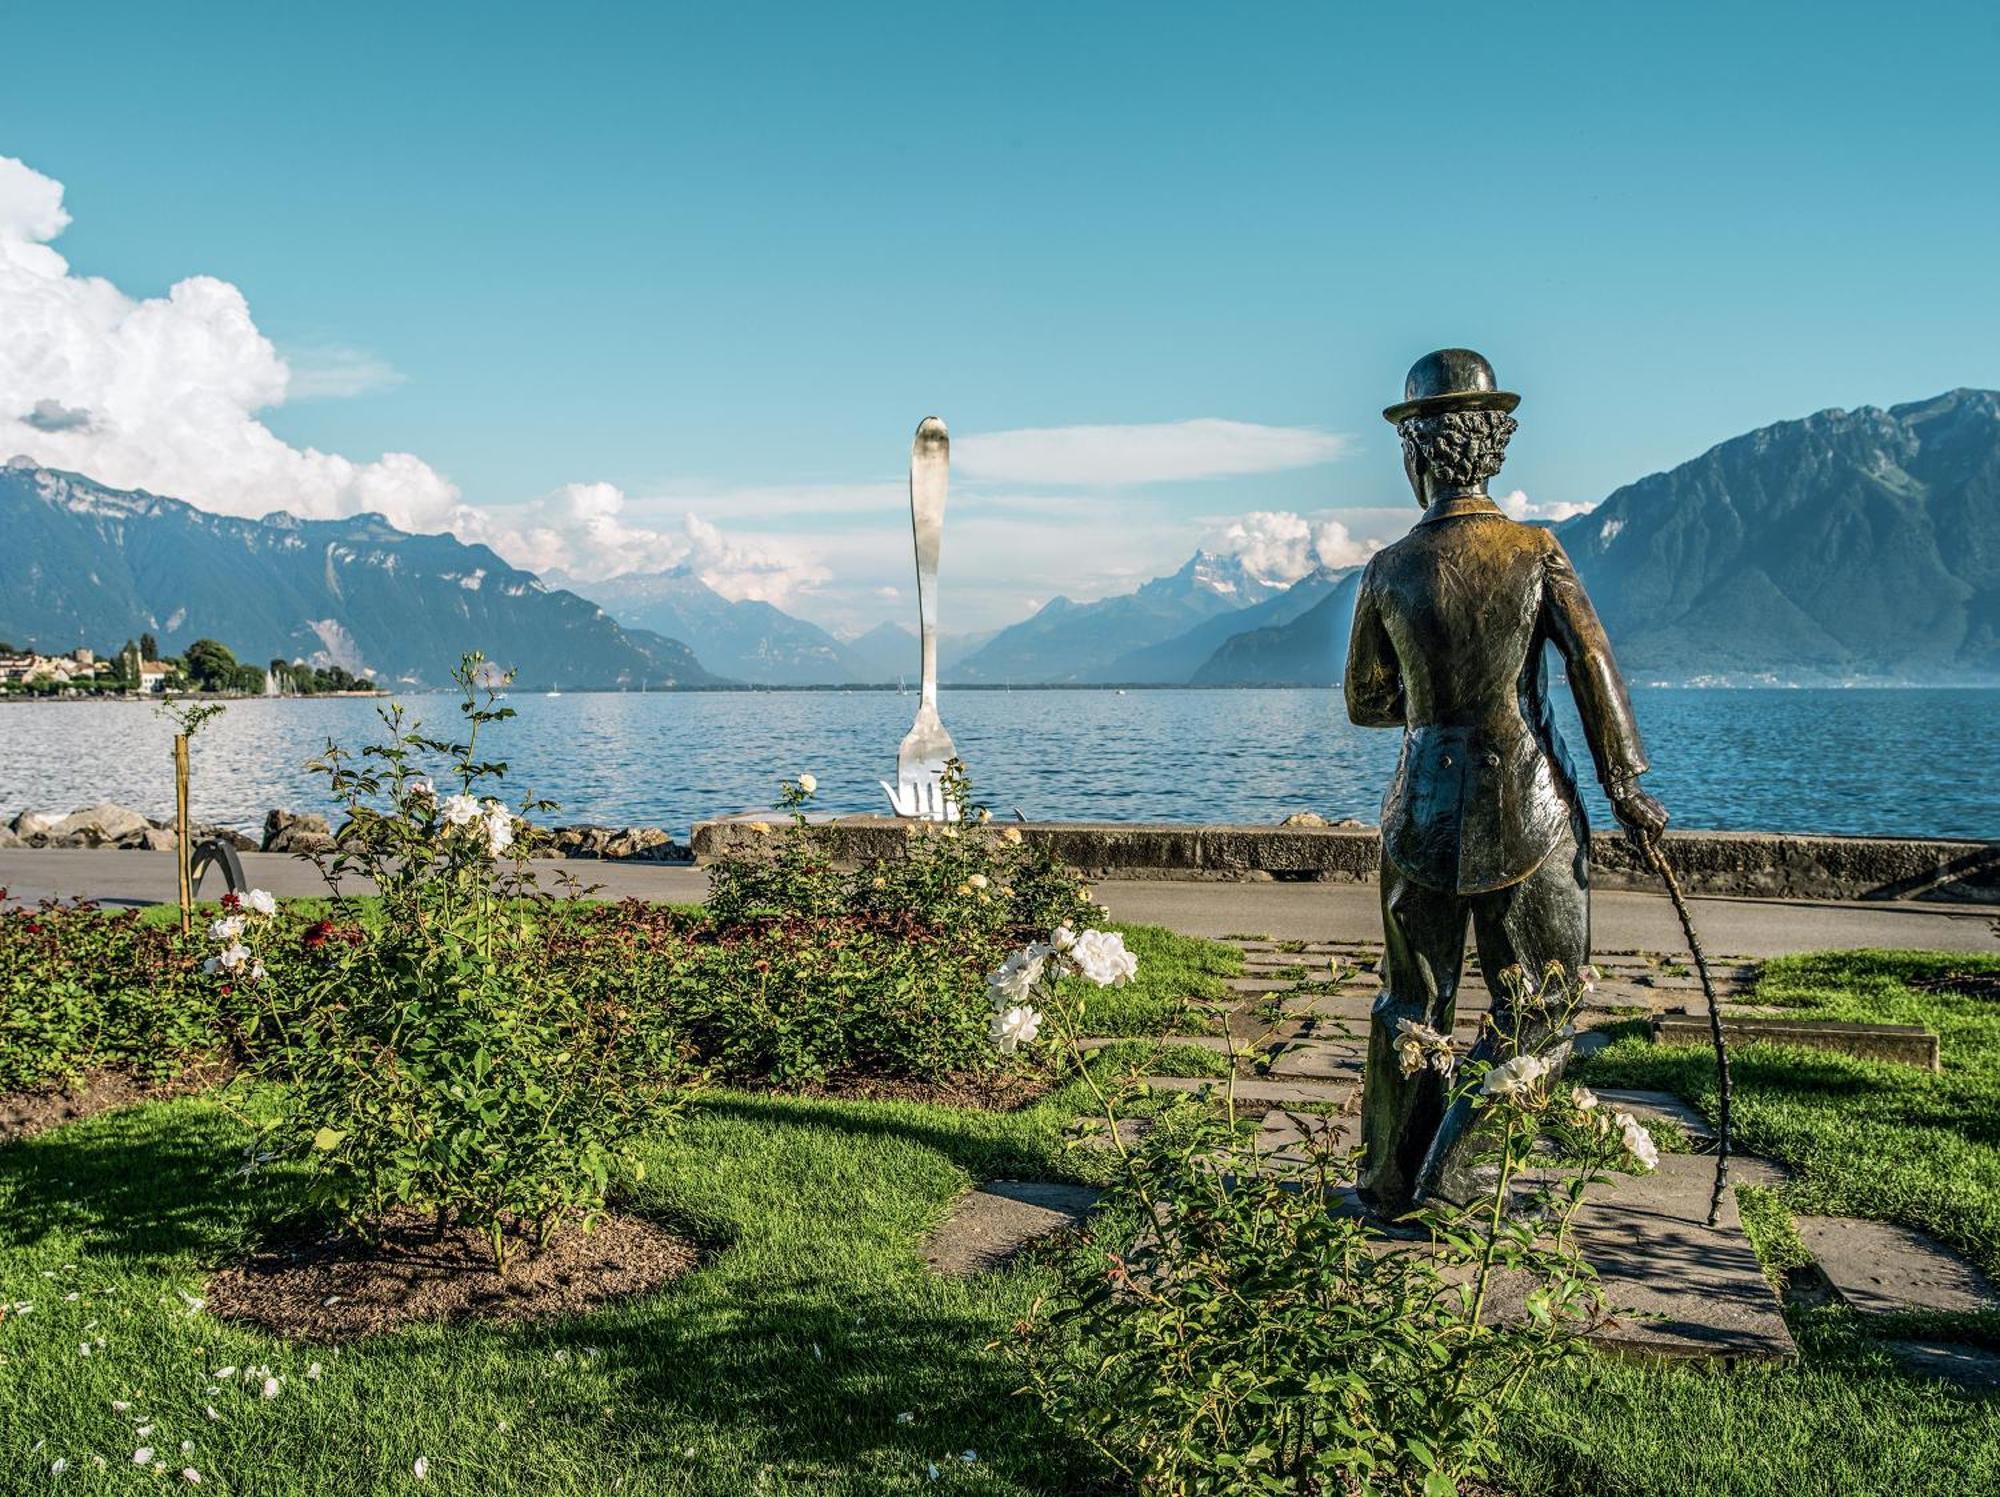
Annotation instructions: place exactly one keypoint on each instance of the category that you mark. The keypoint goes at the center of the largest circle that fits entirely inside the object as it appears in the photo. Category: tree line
(207, 665)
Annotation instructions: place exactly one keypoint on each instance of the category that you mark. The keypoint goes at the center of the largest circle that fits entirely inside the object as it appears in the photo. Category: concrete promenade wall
(1741, 864)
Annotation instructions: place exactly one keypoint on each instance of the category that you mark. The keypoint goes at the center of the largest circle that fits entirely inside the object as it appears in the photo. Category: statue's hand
(1643, 817)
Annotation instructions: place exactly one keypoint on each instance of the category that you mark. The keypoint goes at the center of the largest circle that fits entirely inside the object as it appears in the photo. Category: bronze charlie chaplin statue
(1482, 820)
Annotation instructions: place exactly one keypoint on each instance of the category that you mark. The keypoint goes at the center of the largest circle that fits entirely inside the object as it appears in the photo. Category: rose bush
(975, 878)
(1229, 1324)
(430, 1056)
(83, 989)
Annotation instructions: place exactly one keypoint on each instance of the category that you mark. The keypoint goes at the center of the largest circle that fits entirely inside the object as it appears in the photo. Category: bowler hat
(1452, 379)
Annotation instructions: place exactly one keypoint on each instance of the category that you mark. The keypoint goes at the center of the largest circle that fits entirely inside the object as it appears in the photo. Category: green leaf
(328, 1139)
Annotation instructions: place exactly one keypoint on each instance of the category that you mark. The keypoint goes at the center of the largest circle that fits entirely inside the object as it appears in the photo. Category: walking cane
(1649, 847)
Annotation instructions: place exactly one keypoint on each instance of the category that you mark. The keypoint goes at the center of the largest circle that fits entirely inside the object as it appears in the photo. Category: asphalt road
(1284, 911)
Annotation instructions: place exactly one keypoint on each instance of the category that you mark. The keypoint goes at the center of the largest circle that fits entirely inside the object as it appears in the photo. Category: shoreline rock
(631, 844)
(113, 826)
(295, 832)
(108, 825)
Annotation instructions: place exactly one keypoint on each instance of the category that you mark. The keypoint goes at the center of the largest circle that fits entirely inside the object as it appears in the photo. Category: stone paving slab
(993, 1222)
(1882, 1269)
(1664, 1106)
(1321, 1060)
(1218, 1043)
(1256, 987)
(1678, 1288)
(1976, 1368)
(1283, 1133)
(1906, 1044)
(1259, 1092)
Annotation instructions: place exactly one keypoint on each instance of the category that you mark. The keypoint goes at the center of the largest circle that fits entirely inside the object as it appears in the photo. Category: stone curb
(1740, 864)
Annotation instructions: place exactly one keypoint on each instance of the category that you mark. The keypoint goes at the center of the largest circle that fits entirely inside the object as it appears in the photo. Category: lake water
(1884, 762)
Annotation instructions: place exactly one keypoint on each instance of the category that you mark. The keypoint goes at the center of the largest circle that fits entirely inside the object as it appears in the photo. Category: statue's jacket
(1448, 644)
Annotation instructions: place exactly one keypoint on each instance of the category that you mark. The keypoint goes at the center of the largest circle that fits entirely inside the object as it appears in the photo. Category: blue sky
(719, 262)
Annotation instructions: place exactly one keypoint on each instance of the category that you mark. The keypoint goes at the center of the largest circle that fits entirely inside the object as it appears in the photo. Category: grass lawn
(783, 1365)
(1175, 971)
(1867, 1138)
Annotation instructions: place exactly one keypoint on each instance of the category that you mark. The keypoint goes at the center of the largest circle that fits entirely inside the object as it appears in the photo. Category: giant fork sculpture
(920, 762)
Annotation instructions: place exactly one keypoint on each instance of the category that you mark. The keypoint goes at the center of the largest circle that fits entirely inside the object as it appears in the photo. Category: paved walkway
(1625, 921)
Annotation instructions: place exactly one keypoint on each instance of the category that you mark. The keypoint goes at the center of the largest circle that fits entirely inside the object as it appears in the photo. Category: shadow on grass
(1007, 1146)
(808, 1375)
(160, 1180)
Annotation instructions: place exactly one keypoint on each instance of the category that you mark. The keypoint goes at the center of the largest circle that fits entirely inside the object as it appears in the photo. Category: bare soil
(23, 1114)
(318, 1285)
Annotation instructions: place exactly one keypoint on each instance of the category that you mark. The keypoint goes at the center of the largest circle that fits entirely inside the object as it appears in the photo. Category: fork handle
(930, 469)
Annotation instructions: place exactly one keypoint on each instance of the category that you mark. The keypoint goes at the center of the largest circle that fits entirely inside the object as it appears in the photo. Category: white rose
(808, 784)
(459, 810)
(977, 880)
(1100, 955)
(1015, 981)
(228, 928)
(1638, 1142)
(1418, 1045)
(230, 959)
(1015, 1027)
(1583, 1098)
(1423, 1034)
(1514, 1077)
(421, 788)
(499, 828)
(260, 902)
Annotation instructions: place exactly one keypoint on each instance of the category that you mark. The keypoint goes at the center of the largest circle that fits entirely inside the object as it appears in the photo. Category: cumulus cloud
(164, 393)
(1520, 507)
(744, 569)
(1161, 452)
(582, 533)
(1282, 547)
(169, 387)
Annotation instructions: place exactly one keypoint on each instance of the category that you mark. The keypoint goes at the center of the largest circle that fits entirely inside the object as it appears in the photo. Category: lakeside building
(80, 664)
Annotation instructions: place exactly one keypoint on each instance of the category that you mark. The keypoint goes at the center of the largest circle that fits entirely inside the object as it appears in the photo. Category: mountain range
(84, 564)
(1067, 642)
(745, 639)
(1860, 544)
(1846, 546)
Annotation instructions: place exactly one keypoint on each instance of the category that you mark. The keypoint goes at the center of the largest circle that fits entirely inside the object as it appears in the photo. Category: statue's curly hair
(1461, 447)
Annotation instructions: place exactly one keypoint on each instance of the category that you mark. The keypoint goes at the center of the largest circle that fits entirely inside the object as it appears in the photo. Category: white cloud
(1520, 507)
(336, 373)
(163, 393)
(749, 568)
(581, 531)
(1282, 547)
(1162, 452)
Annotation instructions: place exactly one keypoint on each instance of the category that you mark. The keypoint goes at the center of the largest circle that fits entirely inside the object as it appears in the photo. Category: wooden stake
(183, 833)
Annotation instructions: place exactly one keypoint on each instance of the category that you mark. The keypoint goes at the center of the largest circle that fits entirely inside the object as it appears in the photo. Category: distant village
(207, 667)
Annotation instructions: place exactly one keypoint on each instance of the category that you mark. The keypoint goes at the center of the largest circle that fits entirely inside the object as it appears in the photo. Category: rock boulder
(640, 844)
(296, 832)
(94, 826)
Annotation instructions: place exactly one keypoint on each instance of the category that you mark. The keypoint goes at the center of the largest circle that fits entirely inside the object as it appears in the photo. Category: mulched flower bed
(23, 1114)
(316, 1285)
